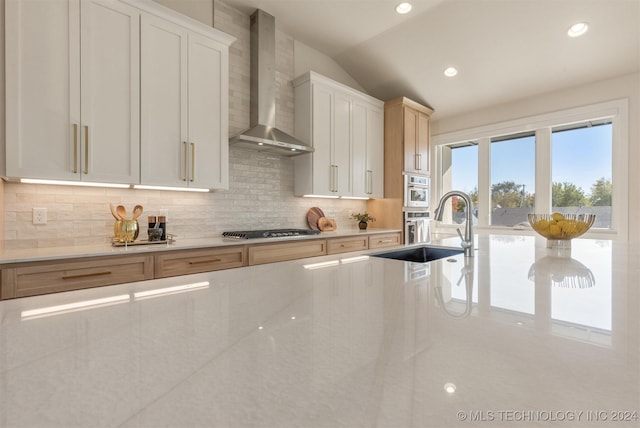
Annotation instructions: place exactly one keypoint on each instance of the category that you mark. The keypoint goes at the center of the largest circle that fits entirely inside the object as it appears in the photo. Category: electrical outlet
(39, 216)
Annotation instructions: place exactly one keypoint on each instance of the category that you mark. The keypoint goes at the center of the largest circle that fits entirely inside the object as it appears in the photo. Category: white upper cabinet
(345, 128)
(184, 107)
(118, 91)
(109, 92)
(163, 103)
(368, 150)
(72, 76)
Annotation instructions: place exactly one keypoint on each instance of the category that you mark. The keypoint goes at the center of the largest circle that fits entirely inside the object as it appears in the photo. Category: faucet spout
(467, 240)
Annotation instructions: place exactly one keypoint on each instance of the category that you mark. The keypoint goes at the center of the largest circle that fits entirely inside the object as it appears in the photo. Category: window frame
(542, 125)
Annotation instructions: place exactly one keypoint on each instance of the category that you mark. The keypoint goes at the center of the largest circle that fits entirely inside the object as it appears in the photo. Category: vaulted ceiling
(504, 49)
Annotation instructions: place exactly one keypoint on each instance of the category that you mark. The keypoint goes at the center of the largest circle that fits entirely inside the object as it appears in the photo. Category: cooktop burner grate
(269, 233)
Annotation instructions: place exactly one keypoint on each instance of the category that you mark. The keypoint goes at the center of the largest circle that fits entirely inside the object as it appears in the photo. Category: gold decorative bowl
(561, 227)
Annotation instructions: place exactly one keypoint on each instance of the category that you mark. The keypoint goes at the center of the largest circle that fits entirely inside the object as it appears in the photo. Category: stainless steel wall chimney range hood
(263, 135)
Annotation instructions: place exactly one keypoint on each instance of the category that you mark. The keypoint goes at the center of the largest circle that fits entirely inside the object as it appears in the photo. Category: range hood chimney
(263, 135)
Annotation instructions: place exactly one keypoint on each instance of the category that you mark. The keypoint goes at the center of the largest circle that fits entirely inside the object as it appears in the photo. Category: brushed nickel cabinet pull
(193, 162)
(369, 189)
(75, 148)
(86, 275)
(186, 157)
(384, 241)
(418, 161)
(86, 150)
(199, 262)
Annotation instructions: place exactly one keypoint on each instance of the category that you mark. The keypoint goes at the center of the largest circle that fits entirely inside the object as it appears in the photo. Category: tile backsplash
(260, 196)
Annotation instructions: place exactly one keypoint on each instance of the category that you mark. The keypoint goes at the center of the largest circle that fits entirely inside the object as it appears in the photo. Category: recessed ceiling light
(450, 387)
(578, 29)
(403, 8)
(450, 71)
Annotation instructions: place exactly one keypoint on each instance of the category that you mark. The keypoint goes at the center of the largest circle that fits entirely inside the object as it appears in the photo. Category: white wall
(201, 10)
(309, 59)
(627, 86)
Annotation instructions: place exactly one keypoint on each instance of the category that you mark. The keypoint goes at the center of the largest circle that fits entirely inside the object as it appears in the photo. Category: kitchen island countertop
(519, 335)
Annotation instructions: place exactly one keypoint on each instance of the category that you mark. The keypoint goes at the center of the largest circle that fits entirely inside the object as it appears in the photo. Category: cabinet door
(163, 98)
(422, 143)
(341, 148)
(410, 139)
(375, 152)
(208, 113)
(110, 94)
(322, 126)
(42, 88)
(359, 150)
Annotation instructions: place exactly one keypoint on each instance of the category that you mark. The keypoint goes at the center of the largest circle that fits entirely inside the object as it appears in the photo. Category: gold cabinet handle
(186, 157)
(193, 162)
(86, 150)
(334, 178)
(75, 148)
(199, 262)
(86, 275)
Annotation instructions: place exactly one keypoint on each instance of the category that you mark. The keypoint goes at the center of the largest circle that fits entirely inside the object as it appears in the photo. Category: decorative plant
(366, 217)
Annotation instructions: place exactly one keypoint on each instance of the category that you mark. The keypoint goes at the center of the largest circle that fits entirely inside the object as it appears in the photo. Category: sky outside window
(582, 171)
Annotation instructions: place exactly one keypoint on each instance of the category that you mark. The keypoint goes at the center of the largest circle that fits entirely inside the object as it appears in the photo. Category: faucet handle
(463, 242)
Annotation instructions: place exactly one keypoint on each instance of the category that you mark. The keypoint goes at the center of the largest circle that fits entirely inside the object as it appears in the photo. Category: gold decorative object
(559, 229)
(126, 231)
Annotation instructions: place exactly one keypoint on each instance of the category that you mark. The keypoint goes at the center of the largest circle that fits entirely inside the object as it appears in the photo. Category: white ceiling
(505, 49)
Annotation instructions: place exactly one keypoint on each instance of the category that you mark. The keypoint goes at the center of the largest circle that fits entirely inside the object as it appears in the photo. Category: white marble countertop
(347, 340)
(9, 255)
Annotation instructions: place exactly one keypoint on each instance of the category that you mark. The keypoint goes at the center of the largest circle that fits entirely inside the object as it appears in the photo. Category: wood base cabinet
(174, 263)
(31, 279)
(271, 253)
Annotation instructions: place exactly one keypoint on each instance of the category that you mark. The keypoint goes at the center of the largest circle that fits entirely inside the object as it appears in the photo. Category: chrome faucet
(467, 240)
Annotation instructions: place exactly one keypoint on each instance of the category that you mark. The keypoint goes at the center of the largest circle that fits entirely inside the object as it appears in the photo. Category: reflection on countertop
(343, 340)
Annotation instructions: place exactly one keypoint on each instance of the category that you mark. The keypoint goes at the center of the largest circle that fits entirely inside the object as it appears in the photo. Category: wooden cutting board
(326, 224)
(313, 215)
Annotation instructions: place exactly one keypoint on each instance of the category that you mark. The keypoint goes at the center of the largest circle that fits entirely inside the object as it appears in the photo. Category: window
(571, 161)
(512, 179)
(581, 170)
(462, 174)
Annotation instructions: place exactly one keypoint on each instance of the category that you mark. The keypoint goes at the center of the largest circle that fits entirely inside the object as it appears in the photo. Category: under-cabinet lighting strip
(179, 189)
(73, 183)
(110, 185)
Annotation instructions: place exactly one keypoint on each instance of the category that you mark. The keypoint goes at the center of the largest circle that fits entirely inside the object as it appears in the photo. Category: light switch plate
(39, 216)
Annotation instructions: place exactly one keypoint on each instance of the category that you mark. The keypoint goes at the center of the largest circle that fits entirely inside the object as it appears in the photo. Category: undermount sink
(421, 254)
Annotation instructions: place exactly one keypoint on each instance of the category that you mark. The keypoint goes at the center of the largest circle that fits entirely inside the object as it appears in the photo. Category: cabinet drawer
(384, 240)
(51, 277)
(344, 245)
(197, 261)
(271, 253)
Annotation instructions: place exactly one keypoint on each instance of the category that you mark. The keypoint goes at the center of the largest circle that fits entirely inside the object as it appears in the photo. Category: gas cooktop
(269, 233)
